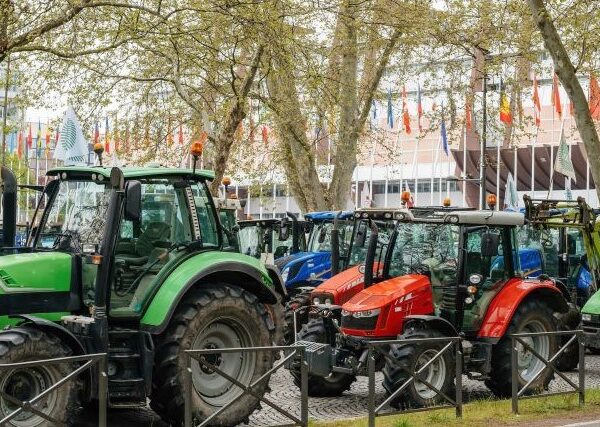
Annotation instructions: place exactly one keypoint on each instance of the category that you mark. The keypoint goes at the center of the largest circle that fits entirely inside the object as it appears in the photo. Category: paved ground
(352, 404)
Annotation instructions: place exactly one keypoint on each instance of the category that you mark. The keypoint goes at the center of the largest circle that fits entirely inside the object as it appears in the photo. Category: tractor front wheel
(406, 359)
(531, 316)
(334, 384)
(301, 299)
(213, 317)
(23, 344)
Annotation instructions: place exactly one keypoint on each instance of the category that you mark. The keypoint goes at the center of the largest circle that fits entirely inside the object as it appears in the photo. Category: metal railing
(519, 393)
(250, 389)
(90, 360)
(450, 343)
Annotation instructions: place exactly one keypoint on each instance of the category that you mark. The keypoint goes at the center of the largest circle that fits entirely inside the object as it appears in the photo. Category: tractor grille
(361, 323)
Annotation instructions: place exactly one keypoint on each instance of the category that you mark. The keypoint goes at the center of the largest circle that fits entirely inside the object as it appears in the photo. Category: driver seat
(155, 231)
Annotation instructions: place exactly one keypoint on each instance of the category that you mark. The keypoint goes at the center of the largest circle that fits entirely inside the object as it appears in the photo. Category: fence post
(581, 345)
(514, 367)
(371, 397)
(187, 389)
(102, 391)
(303, 387)
(459, 368)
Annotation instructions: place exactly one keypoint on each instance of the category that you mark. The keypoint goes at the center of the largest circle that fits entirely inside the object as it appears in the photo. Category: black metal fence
(521, 392)
(291, 352)
(450, 344)
(90, 360)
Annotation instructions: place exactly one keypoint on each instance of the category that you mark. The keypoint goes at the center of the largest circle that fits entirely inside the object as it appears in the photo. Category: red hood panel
(400, 289)
(344, 285)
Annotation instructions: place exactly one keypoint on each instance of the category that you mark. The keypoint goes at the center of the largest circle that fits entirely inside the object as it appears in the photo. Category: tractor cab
(272, 238)
(228, 209)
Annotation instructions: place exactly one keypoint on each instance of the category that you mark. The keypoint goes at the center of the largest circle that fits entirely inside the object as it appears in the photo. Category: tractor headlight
(586, 317)
(365, 313)
(316, 301)
(327, 301)
(284, 274)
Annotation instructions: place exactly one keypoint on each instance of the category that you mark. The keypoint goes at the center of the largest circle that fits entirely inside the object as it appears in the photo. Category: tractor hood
(342, 286)
(283, 262)
(397, 290)
(35, 272)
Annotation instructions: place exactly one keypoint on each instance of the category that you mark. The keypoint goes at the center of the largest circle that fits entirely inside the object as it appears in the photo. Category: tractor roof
(327, 215)
(132, 173)
(441, 214)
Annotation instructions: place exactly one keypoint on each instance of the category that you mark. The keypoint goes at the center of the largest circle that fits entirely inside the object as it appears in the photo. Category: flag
(556, 96)
(405, 115)
(38, 142)
(116, 136)
(594, 98)
(265, 135)
(48, 137)
(365, 196)
(72, 147)
(511, 197)
(180, 136)
(419, 107)
(537, 107)
(390, 111)
(106, 137)
(56, 137)
(29, 138)
(468, 115)
(20, 145)
(96, 134)
(505, 114)
(444, 135)
(563, 163)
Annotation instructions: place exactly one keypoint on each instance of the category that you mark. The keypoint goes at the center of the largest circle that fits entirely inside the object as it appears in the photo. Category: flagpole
(464, 172)
(415, 172)
(372, 165)
(533, 162)
(433, 165)
(551, 186)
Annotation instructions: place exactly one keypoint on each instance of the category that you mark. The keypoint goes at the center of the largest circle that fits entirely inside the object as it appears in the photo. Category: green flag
(563, 163)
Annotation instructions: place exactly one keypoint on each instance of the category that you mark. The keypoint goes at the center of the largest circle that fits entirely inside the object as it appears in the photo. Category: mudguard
(208, 267)
(275, 276)
(433, 322)
(502, 308)
(54, 328)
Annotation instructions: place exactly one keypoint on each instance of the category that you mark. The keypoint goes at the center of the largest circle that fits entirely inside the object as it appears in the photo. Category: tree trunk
(568, 78)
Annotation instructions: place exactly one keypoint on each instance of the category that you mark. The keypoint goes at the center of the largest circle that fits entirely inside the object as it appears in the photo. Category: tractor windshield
(251, 240)
(320, 237)
(75, 217)
(423, 246)
(360, 240)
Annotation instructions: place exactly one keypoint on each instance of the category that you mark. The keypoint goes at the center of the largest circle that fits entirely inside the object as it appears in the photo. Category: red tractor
(445, 273)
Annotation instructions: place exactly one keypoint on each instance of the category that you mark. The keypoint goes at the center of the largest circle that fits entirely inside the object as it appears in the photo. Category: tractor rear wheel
(299, 300)
(22, 344)
(406, 359)
(334, 384)
(569, 321)
(531, 316)
(213, 317)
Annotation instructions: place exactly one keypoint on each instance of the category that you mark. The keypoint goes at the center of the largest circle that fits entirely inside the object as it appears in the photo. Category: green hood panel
(593, 305)
(170, 291)
(35, 272)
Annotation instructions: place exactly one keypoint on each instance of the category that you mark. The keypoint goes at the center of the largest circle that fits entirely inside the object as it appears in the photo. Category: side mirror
(133, 201)
(322, 235)
(489, 244)
(284, 230)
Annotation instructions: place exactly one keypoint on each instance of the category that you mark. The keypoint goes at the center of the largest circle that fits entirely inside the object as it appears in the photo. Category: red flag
(56, 138)
(594, 98)
(537, 107)
(556, 96)
(106, 138)
(47, 150)
(96, 134)
(180, 137)
(405, 115)
(20, 145)
(468, 118)
(505, 113)
(265, 135)
(29, 138)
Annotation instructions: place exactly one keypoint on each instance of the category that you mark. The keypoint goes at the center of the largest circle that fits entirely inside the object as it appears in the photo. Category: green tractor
(130, 262)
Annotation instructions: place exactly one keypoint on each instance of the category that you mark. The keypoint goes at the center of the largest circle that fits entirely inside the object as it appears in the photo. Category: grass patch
(487, 413)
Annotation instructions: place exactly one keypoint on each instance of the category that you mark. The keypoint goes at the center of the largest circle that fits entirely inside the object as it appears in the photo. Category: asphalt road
(353, 403)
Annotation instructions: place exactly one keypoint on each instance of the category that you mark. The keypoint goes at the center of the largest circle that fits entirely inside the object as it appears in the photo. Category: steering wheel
(546, 243)
(68, 241)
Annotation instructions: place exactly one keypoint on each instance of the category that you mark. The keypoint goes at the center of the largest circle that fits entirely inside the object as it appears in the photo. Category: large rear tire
(408, 358)
(22, 344)
(334, 384)
(215, 316)
(532, 316)
(569, 321)
(299, 300)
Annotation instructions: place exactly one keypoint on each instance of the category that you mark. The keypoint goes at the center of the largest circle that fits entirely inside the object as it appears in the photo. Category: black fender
(432, 322)
(56, 329)
(275, 276)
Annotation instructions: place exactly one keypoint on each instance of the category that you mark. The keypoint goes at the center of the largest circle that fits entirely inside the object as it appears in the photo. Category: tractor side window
(206, 218)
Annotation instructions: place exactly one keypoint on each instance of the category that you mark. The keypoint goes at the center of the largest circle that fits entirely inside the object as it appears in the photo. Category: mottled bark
(567, 75)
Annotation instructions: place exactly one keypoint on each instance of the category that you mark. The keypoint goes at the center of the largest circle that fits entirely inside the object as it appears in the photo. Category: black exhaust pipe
(9, 207)
(335, 245)
(295, 232)
(370, 259)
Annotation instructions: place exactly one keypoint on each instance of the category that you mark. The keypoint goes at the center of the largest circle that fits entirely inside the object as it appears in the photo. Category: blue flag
(390, 112)
(444, 136)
